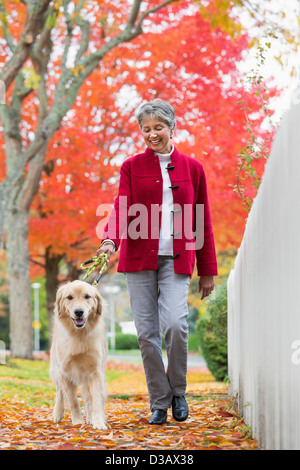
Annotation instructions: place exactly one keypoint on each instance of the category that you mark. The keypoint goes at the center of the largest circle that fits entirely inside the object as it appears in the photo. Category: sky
(287, 13)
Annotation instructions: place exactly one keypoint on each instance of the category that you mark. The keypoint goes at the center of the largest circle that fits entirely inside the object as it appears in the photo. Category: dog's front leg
(87, 403)
(59, 407)
(97, 393)
(71, 393)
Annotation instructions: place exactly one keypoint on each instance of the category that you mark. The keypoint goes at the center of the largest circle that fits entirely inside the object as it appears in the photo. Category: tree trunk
(17, 252)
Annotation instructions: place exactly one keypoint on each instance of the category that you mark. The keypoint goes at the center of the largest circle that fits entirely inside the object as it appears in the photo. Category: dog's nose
(79, 312)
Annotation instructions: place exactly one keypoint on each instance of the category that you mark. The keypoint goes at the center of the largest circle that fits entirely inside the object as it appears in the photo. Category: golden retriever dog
(78, 353)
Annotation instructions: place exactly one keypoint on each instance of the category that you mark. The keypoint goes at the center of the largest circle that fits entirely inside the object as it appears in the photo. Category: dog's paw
(57, 416)
(99, 425)
(76, 421)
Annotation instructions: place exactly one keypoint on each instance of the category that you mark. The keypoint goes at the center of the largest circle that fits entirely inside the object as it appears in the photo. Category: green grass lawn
(29, 381)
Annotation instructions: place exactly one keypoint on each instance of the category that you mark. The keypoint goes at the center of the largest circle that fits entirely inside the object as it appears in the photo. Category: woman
(162, 195)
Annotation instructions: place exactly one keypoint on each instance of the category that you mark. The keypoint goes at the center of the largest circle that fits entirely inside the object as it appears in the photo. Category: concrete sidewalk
(194, 360)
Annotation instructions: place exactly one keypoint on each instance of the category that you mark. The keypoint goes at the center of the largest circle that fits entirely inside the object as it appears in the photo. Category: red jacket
(141, 183)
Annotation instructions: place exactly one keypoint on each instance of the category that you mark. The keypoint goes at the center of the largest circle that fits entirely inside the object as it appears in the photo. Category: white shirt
(165, 238)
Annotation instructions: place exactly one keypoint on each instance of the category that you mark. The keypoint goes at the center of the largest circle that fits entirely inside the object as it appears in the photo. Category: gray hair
(160, 109)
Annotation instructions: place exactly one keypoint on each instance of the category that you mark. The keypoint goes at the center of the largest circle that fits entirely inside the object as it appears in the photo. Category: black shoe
(180, 409)
(158, 417)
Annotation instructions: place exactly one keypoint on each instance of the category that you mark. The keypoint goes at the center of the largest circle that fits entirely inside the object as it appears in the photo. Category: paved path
(194, 360)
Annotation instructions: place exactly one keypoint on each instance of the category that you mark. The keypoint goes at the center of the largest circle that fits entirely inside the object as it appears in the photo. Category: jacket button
(176, 233)
(175, 256)
(171, 167)
(175, 186)
(175, 211)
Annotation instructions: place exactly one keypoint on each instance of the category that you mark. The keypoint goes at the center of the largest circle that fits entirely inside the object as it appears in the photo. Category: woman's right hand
(107, 248)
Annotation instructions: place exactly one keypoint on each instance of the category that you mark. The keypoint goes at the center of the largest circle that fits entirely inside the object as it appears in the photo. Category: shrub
(126, 341)
(212, 329)
(194, 342)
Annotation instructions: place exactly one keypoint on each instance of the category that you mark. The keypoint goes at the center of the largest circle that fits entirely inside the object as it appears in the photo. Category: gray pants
(159, 299)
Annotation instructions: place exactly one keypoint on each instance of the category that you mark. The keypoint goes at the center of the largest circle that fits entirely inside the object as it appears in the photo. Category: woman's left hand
(206, 285)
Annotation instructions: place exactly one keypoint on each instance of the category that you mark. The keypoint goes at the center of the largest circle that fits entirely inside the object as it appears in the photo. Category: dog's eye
(87, 296)
(70, 297)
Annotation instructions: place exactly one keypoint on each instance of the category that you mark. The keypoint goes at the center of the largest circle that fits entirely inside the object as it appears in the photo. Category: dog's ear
(98, 302)
(59, 302)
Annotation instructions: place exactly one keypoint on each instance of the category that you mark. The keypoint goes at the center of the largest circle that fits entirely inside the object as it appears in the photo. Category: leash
(96, 261)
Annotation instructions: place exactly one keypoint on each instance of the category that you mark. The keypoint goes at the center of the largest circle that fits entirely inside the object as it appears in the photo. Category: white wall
(128, 327)
(264, 300)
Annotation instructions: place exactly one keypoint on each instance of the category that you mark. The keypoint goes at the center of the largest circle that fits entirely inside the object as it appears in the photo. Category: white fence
(264, 300)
